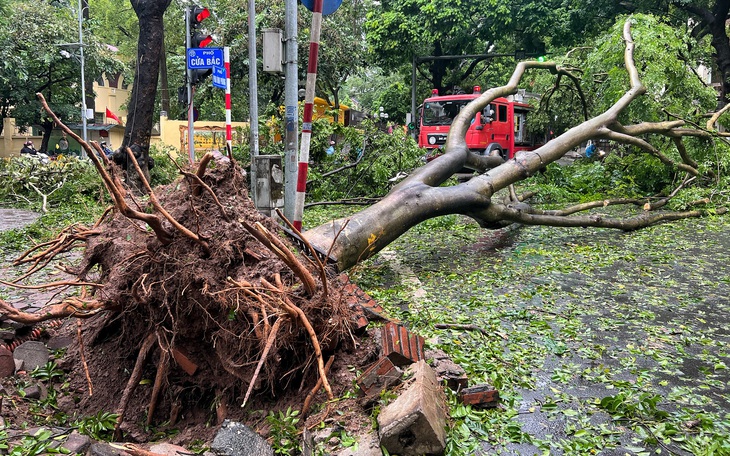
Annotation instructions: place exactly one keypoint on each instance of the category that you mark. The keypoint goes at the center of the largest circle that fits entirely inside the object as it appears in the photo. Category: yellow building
(110, 94)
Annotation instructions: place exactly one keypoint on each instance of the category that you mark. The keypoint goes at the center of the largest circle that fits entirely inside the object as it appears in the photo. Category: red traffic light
(198, 15)
(200, 40)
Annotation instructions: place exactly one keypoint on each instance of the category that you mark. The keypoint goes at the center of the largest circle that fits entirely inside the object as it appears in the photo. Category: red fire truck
(499, 128)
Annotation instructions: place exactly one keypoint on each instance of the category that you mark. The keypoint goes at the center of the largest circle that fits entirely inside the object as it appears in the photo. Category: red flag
(111, 115)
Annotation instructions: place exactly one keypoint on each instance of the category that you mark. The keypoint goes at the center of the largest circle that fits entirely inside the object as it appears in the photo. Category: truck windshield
(442, 112)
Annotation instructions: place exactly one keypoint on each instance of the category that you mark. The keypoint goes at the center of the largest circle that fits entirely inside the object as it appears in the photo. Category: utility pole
(253, 94)
(291, 137)
(188, 45)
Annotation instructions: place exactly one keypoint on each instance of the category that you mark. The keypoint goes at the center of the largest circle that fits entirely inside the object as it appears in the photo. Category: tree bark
(142, 103)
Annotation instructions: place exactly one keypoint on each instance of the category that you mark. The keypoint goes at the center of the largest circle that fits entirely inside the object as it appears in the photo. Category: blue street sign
(219, 77)
(328, 6)
(201, 58)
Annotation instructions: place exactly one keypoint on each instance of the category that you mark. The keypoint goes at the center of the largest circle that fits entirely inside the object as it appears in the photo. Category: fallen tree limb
(279, 249)
(69, 307)
(156, 203)
(113, 185)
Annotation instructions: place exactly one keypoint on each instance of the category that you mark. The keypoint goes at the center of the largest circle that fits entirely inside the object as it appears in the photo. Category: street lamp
(67, 54)
(83, 80)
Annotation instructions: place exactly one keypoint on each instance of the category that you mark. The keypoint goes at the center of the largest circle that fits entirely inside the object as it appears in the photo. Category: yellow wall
(113, 98)
(208, 135)
(174, 133)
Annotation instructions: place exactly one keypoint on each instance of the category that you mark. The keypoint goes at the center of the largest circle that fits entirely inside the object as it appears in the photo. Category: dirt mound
(182, 323)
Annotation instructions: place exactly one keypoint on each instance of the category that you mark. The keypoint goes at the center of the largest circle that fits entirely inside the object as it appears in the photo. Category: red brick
(373, 309)
(480, 395)
(402, 347)
(185, 363)
(360, 323)
(377, 377)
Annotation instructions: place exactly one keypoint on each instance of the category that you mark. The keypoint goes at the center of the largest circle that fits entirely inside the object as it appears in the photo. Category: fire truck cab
(497, 129)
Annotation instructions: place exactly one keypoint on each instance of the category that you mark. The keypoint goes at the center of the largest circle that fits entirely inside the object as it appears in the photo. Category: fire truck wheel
(494, 150)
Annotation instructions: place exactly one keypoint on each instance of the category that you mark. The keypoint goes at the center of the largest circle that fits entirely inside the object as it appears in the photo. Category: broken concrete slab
(168, 449)
(381, 375)
(414, 424)
(104, 449)
(33, 353)
(77, 443)
(7, 362)
(447, 371)
(327, 441)
(237, 439)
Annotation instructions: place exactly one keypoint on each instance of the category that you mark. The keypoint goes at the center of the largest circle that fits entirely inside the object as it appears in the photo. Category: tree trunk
(47, 126)
(88, 82)
(164, 87)
(714, 20)
(142, 103)
(721, 43)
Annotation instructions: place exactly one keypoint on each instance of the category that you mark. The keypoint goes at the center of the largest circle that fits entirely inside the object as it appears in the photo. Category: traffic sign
(328, 6)
(219, 77)
(201, 58)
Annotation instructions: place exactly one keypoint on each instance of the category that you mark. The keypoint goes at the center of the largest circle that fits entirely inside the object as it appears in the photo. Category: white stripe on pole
(307, 118)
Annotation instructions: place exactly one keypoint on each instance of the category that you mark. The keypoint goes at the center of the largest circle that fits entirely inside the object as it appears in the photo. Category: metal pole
(307, 117)
(253, 94)
(413, 96)
(83, 80)
(229, 135)
(191, 133)
(291, 137)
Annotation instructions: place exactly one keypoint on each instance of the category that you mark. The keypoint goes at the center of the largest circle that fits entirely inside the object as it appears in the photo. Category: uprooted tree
(193, 279)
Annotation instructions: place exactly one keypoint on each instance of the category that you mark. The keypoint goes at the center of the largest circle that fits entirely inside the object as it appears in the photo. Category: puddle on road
(16, 218)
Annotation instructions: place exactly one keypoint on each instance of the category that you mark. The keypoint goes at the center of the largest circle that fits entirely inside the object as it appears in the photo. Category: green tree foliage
(370, 161)
(33, 61)
(399, 30)
(666, 58)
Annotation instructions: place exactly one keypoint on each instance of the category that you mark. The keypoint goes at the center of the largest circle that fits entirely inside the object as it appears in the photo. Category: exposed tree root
(134, 379)
(228, 299)
(83, 357)
(280, 250)
(315, 390)
(264, 354)
(162, 368)
(69, 307)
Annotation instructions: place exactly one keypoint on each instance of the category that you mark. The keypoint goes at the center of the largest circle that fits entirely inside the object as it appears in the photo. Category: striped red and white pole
(229, 136)
(307, 116)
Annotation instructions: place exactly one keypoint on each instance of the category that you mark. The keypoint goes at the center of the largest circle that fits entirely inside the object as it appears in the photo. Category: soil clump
(178, 332)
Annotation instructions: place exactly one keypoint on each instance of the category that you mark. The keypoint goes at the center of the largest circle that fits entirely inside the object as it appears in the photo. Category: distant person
(590, 149)
(331, 149)
(107, 150)
(28, 148)
(62, 145)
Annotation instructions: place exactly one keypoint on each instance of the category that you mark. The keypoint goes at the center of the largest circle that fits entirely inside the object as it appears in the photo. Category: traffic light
(196, 15)
(197, 76)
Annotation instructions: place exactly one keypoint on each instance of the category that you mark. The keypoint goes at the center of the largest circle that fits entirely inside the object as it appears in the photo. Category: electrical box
(269, 184)
(272, 50)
